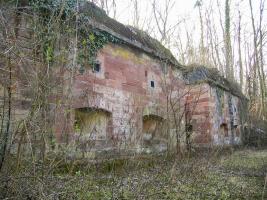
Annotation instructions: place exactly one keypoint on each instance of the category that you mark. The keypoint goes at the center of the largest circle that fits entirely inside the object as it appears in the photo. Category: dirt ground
(238, 174)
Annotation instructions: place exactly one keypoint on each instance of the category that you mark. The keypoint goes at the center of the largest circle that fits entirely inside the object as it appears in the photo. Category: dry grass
(239, 175)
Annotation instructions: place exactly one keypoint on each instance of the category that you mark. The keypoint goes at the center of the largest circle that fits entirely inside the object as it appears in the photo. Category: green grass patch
(246, 160)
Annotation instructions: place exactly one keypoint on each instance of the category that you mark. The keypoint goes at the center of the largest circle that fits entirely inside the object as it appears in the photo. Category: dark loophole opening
(152, 84)
(188, 127)
(97, 67)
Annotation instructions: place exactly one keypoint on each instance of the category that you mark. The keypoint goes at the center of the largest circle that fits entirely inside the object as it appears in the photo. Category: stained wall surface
(130, 85)
(214, 115)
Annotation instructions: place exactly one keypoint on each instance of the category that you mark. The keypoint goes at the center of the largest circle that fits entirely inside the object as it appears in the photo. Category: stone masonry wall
(226, 118)
(199, 114)
(214, 116)
(123, 88)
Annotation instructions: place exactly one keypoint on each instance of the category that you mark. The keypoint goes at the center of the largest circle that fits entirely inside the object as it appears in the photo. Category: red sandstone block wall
(199, 116)
(123, 88)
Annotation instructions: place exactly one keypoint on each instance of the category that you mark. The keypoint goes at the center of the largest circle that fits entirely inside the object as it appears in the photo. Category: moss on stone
(196, 74)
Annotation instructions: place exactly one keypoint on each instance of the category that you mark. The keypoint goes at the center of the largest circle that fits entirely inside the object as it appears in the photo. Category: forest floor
(239, 174)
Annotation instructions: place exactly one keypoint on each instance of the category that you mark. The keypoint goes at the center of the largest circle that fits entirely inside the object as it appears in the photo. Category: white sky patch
(186, 15)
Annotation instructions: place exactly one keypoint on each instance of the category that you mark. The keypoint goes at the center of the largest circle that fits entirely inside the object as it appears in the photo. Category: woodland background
(228, 35)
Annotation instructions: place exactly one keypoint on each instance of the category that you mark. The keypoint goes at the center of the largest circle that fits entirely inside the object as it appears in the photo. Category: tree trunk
(239, 52)
(227, 40)
(257, 69)
(6, 124)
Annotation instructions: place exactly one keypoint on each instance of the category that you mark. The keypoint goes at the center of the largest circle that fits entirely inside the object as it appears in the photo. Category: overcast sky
(184, 12)
(184, 9)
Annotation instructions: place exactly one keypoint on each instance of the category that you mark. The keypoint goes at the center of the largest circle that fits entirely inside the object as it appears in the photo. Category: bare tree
(198, 4)
(109, 6)
(161, 16)
(240, 61)
(227, 41)
(6, 115)
(258, 65)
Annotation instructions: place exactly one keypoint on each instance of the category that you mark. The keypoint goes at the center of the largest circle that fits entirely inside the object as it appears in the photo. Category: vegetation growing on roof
(132, 36)
(91, 42)
(196, 74)
(55, 16)
(154, 44)
(92, 20)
